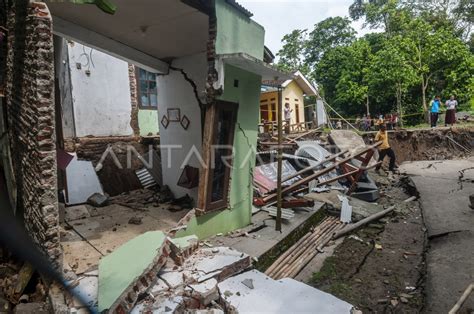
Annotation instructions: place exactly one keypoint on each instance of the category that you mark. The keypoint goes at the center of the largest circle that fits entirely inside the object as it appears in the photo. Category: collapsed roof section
(145, 32)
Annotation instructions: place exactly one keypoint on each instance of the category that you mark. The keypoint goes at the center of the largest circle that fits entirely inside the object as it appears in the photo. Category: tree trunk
(423, 95)
(399, 104)
(367, 105)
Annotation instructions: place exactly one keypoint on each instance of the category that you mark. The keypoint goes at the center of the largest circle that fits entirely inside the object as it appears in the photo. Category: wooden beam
(108, 45)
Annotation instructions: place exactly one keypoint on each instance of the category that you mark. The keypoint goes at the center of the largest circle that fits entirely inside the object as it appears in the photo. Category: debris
(165, 194)
(365, 221)
(185, 202)
(248, 282)
(97, 200)
(462, 299)
(135, 221)
(346, 210)
(290, 263)
(32, 308)
(76, 212)
(272, 296)
(145, 178)
(378, 246)
(22, 281)
(206, 292)
(143, 256)
(394, 302)
(82, 181)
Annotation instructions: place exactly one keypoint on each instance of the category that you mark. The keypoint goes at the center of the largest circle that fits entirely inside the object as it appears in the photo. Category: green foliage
(426, 48)
(328, 34)
(291, 56)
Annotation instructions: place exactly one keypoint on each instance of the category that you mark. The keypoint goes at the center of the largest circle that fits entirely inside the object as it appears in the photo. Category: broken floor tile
(205, 292)
(131, 269)
(172, 304)
(183, 247)
(204, 264)
(76, 212)
(282, 296)
(173, 279)
(87, 289)
(159, 287)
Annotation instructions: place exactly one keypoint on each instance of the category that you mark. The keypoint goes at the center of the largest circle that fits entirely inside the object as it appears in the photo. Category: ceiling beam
(107, 45)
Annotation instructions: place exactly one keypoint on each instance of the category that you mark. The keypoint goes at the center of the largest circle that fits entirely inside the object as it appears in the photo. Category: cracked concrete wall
(247, 95)
(102, 101)
(180, 147)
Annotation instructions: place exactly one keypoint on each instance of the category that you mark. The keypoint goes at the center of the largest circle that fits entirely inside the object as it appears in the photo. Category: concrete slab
(282, 296)
(120, 269)
(217, 262)
(82, 181)
(444, 196)
(109, 228)
(76, 212)
(450, 269)
(262, 241)
(88, 290)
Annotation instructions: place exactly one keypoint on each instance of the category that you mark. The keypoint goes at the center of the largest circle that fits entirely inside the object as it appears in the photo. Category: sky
(280, 17)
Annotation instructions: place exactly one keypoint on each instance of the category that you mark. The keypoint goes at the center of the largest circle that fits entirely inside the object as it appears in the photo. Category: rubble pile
(21, 288)
(182, 275)
(315, 163)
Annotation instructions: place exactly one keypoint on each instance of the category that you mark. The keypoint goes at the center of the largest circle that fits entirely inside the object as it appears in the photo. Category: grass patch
(327, 272)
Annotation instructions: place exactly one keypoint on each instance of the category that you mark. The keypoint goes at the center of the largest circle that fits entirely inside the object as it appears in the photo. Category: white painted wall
(101, 101)
(176, 92)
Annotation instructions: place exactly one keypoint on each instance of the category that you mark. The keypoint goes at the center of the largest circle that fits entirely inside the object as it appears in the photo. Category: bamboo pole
(297, 249)
(302, 171)
(320, 173)
(366, 220)
(279, 162)
(303, 251)
(463, 299)
(278, 263)
(312, 253)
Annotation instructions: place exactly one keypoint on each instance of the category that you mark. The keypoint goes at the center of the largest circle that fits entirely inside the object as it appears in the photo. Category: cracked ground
(380, 268)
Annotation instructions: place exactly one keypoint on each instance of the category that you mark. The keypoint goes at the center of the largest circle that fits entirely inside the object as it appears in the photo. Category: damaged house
(207, 58)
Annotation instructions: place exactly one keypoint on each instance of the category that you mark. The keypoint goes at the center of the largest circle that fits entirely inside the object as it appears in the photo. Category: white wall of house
(176, 142)
(101, 100)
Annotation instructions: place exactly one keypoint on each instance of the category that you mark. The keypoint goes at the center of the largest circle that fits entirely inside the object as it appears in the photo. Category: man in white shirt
(451, 105)
(287, 116)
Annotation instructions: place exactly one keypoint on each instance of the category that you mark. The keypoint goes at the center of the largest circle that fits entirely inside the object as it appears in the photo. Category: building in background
(293, 93)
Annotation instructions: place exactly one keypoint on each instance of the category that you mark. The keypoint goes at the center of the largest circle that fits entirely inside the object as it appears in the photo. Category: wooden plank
(206, 156)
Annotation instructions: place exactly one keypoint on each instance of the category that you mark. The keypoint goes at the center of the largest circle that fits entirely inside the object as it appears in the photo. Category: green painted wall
(237, 33)
(148, 122)
(247, 95)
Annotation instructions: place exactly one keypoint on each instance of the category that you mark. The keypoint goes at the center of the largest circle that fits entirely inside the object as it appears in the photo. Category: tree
(328, 34)
(431, 52)
(390, 70)
(342, 74)
(291, 56)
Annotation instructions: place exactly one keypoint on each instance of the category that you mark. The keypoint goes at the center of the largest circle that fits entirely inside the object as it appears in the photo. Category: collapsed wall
(31, 121)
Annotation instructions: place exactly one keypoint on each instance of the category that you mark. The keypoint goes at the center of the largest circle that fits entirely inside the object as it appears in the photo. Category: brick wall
(133, 95)
(31, 120)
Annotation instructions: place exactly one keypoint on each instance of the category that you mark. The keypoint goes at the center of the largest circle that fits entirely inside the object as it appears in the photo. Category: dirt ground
(431, 144)
(380, 268)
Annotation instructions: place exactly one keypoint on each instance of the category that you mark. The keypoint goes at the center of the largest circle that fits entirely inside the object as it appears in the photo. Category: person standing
(315, 119)
(287, 115)
(385, 149)
(434, 111)
(451, 105)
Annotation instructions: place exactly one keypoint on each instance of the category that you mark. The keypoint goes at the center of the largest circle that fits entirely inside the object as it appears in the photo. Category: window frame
(205, 203)
(139, 90)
